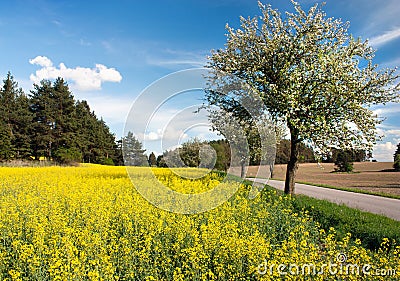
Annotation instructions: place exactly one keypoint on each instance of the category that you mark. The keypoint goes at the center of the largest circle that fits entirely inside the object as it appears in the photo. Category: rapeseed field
(90, 223)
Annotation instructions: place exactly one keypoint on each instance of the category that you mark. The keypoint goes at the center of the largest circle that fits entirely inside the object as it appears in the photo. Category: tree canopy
(133, 151)
(49, 123)
(311, 75)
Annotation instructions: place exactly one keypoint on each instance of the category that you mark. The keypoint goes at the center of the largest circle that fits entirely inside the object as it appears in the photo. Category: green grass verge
(369, 228)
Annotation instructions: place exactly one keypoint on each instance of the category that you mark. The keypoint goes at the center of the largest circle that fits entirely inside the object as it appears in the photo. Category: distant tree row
(197, 153)
(216, 154)
(50, 124)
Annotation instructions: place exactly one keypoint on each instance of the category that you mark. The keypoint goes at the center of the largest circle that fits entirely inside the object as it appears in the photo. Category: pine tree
(42, 109)
(133, 151)
(118, 157)
(22, 128)
(15, 117)
(64, 127)
(106, 145)
(85, 124)
(5, 142)
(51, 124)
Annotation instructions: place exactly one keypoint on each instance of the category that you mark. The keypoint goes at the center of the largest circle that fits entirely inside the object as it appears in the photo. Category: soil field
(370, 176)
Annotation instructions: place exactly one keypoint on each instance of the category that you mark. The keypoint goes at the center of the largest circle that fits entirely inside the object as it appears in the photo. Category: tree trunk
(292, 165)
(242, 170)
(271, 171)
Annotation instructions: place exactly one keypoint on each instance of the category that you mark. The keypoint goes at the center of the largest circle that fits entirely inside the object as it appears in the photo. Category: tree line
(216, 154)
(49, 124)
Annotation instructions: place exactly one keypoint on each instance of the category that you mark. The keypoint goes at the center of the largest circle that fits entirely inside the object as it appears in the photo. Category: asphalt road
(374, 204)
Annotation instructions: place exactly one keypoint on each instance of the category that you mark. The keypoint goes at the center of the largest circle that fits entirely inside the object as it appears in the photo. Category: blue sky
(110, 51)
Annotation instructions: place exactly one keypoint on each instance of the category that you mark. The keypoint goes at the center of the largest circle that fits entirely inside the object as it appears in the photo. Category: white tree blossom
(310, 74)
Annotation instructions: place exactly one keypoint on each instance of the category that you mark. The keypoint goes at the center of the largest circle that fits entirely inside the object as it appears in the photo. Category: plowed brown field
(370, 176)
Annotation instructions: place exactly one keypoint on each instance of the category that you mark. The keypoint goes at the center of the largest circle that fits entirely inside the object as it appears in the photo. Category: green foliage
(306, 153)
(51, 124)
(68, 156)
(197, 153)
(152, 160)
(108, 162)
(15, 121)
(223, 151)
(133, 151)
(161, 161)
(355, 155)
(310, 74)
(369, 228)
(5, 143)
(192, 153)
(396, 164)
(343, 161)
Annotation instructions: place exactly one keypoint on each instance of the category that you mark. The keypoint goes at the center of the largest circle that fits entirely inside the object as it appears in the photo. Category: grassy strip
(369, 228)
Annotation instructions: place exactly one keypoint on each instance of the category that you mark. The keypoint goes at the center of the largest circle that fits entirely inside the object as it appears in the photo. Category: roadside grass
(370, 228)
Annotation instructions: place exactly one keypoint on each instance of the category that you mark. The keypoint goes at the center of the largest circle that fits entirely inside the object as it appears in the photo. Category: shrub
(68, 156)
(396, 164)
(343, 162)
(108, 162)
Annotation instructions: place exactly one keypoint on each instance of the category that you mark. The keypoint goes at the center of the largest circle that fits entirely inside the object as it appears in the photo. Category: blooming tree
(311, 75)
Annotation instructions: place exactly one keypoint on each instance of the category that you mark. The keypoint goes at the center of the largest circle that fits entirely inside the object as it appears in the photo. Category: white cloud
(395, 133)
(387, 110)
(83, 78)
(385, 37)
(383, 152)
(42, 61)
(152, 136)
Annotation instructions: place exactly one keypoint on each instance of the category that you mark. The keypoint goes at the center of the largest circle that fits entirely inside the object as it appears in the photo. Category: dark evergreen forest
(49, 124)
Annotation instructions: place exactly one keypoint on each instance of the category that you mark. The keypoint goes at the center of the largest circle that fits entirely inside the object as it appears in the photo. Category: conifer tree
(15, 118)
(133, 151)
